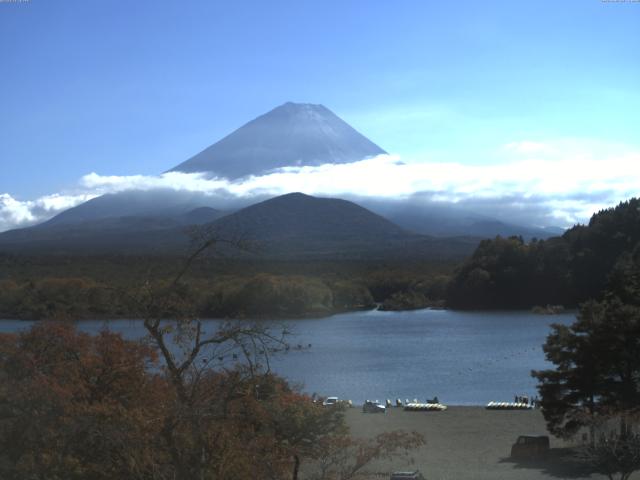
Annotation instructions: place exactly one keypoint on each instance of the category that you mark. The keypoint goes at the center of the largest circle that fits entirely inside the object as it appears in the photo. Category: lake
(465, 358)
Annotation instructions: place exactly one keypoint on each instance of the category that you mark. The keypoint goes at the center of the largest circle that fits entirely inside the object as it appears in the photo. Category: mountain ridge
(293, 225)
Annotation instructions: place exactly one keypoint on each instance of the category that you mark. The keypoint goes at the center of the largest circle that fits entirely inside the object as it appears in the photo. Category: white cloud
(194, 182)
(566, 180)
(16, 213)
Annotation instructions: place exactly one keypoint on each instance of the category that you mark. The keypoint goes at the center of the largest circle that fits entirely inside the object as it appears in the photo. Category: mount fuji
(293, 134)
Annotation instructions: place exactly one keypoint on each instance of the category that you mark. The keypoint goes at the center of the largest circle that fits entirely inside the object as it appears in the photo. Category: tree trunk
(624, 428)
(296, 467)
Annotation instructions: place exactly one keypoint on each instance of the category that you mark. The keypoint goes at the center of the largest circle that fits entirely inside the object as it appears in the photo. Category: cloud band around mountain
(537, 183)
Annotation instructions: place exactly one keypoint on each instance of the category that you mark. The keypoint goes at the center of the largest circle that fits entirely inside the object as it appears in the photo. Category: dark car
(407, 476)
(530, 446)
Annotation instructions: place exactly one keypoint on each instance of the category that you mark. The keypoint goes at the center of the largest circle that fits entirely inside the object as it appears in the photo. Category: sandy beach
(468, 443)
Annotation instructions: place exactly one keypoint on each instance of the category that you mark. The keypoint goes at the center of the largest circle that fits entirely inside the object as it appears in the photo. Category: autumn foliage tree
(188, 402)
(74, 405)
(77, 406)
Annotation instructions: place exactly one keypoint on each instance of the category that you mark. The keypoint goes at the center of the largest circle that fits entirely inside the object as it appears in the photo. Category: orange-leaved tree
(74, 405)
(192, 401)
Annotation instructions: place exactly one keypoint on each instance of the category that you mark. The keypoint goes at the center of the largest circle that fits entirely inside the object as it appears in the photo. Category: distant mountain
(292, 134)
(298, 225)
(140, 233)
(200, 216)
(443, 220)
(299, 221)
(163, 203)
(290, 226)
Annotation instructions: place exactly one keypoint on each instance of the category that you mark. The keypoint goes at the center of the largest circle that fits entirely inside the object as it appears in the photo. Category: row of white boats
(425, 407)
(415, 406)
(508, 406)
(429, 406)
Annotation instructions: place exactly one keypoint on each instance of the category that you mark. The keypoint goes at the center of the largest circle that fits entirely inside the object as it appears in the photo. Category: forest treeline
(566, 270)
(70, 288)
(503, 273)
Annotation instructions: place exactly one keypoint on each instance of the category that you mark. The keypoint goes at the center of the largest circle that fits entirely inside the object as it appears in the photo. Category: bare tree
(616, 448)
(208, 369)
(345, 458)
(226, 403)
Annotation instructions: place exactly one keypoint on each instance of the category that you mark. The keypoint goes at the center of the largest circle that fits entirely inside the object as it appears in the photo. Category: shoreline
(304, 316)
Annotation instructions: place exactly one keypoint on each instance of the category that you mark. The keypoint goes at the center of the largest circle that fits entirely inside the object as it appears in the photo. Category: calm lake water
(465, 358)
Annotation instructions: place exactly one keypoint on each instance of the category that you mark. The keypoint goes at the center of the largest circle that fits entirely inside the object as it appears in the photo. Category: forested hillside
(566, 270)
(56, 287)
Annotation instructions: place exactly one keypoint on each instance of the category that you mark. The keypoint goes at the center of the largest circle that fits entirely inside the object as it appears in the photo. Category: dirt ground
(469, 443)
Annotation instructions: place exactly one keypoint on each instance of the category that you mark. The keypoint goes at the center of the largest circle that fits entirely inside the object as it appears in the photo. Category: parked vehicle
(530, 446)
(373, 407)
(407, 476)
(329, 401)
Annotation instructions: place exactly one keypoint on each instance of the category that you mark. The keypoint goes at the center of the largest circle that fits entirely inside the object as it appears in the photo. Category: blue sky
(135, 87)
